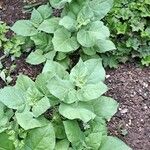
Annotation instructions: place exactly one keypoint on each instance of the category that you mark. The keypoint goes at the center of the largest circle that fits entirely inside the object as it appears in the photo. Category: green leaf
(43, 42)
(55, 68)
(62, 89)
(58, 4)
(64, 42)
(92, 91)
(95, 70)
(113, 143)
(79, 73)
(36, 58)
(105, 107)
(24, 28)
(104, 46)
(61, 56)
(94, 140)
(4, 119)
(59, 130)
(73, 132)
(41, 138)
(68, 23)
(41, 82)
(12, 98)
(45, 11)
(62, 145)
(27, 120)
(50, 55)
(100, 7)
(49, 25)
(88, 37)
(89, 50)
(24, 82)
(41, 106)
(5, 143)
(36, 17)
(79, 110)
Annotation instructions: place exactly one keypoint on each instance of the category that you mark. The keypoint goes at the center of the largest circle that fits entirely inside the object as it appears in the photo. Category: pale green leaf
(64, 42)
(73, 131)
(88, 37)
(36, 58)
(105, 107)
(43, 42)
(27, 120)
(45, 11)
(36, 17)
(103, 46)
(113, 143)
(93, 140)
(24, 28)
(92, 91)
(95, 70)
(41, 138)
(79, 110)
(62, 89)
(100, 7)
(12, 98)
(49, 25)
(89, 50)
(62, 145)
(24, 82)
(41, 82)
(79, 73)
(55, 68)
(68, 22)
(41, 106)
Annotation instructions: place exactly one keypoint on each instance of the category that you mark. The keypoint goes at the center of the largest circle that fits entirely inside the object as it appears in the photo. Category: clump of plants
(130, 30)
(63, 109)
(77, 29)
(77, 110)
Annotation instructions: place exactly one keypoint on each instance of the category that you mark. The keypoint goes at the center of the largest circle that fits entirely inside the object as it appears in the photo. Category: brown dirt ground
(129, 85)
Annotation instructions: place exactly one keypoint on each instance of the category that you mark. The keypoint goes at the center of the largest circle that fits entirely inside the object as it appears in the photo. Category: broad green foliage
(128, 22)
(78, 109)
(64, 107)
(55, 38)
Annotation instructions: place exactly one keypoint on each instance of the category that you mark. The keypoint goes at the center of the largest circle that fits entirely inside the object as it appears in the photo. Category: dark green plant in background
(129, 24)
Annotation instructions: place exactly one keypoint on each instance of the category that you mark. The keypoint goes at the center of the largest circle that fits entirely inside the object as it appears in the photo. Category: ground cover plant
(64, 108)
(129, 24)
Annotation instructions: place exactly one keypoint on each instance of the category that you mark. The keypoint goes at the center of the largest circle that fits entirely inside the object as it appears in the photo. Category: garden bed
(129, 84)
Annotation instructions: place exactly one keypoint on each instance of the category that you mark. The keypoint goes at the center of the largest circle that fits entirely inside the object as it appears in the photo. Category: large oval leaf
(113, 143)
(24, 28)
(80, 111)
(12, 98)
(88, 36)
(41, 138)
(64, 42)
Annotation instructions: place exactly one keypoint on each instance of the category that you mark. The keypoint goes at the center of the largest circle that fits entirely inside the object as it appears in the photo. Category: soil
(129, 84)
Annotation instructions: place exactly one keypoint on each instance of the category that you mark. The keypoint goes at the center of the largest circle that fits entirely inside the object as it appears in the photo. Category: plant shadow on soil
(129, 84)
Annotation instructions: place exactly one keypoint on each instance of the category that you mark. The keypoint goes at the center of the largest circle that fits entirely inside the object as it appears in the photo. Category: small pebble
(124, 111)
